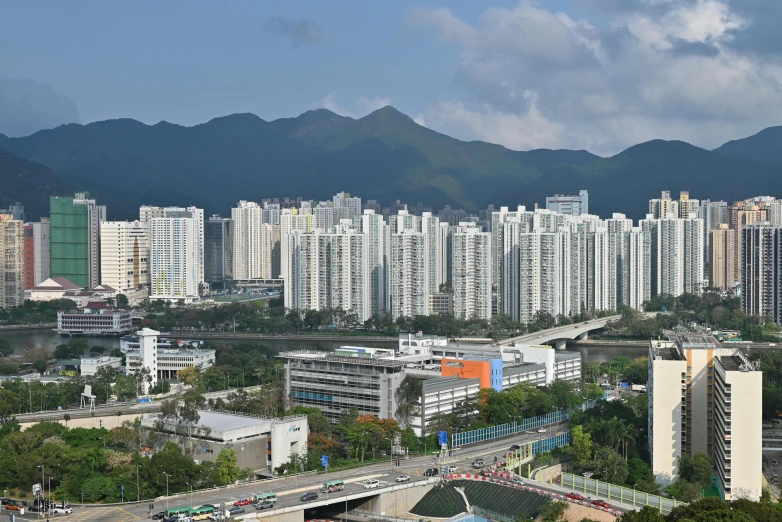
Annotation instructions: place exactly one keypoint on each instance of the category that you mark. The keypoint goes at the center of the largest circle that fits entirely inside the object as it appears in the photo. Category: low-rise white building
(261, 444)
(91, 365)
(96, 318)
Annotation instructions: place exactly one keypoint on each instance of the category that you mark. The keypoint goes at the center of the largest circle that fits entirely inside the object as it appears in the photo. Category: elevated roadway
(561, 334)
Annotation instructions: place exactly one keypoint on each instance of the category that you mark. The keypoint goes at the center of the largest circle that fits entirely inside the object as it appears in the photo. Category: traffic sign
(442, 437)
(324, 461)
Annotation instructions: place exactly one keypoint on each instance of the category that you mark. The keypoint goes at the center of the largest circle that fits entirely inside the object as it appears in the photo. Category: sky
(600, 75)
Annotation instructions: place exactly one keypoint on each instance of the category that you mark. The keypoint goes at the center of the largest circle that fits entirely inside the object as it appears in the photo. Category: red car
(574, 496)
(243, 502)
(601, 504)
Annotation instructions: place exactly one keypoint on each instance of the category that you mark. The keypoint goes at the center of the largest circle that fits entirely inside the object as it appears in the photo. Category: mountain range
(384, 156)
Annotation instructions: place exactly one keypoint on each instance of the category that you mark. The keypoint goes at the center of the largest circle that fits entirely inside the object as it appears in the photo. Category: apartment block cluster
(406, 262)
(694, 384)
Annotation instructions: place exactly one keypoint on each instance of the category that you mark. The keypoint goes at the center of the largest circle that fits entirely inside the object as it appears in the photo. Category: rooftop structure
(96, 318)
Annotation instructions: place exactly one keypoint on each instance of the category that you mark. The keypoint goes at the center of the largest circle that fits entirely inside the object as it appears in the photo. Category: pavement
(289, 489)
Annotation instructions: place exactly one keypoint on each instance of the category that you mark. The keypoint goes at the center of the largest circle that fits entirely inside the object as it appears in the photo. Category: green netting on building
(447, 502)
(69, 240)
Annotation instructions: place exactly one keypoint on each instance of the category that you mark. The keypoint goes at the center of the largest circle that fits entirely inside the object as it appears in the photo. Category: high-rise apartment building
(328, 271)
(498, 252)
(176, 255)
(738, 454)
(761, 271)
(253, 243)
(12, 261)
(713, 214)
(291, 220)
(408, 274)
(376, 244)
(147, 213)
(124, 255)
(346, 207)
(218, 251)
(37, 263)
(725, 262)
(677, 255)
(569, 205)
(472, 287)
(693, 384)
(75, 238)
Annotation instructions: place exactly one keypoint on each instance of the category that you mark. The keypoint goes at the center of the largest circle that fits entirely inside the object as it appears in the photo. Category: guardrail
(620, 493)
(505, 430)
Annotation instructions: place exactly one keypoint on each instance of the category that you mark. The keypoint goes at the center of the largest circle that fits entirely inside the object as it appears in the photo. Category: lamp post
(166, 474)
(138, 494)
(191, 494)
(41, 492)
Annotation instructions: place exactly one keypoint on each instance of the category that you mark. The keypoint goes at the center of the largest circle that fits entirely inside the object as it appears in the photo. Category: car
(243, 502)
(403, 478)
(541, 430)
(264, 505)
(159, 516)
(3, 501)
(371, 484)
(308, 496)
(574, 496)
(211, 506)
(601, 504)
(774, 462)
(431, 472)
(236, 510)
(486, 472)
(62, 510)
(517, 481)
(452, 469)
(515, 447)
(13, 506)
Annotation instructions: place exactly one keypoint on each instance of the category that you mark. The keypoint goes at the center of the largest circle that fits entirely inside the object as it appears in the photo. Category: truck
(638, 388)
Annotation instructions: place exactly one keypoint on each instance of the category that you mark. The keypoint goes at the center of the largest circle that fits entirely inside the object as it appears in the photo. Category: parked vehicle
(601, 504)
(371, 484)
(403, 478)
(638, 388)
(431, 472)
(264, 505)
(309, 496)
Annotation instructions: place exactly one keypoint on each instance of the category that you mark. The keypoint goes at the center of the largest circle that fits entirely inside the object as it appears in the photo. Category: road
(291, 488)
(570, 331)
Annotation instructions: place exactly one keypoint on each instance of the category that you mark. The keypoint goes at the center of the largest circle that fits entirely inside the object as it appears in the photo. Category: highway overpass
(561, 334)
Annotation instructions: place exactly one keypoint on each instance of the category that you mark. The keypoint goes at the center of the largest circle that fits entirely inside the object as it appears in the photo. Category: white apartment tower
(147, 213)
(677, 255)
(175, 256)
(569, 205)
(408, 274)
(253, 243)
(291, 220)
(376, 243)
(12, 265)
(346, 207)
(124, 255)
(472, 289)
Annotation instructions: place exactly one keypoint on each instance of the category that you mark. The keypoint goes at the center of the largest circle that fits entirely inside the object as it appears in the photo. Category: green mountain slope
(30, 183)
(764, 147)
(384, 155)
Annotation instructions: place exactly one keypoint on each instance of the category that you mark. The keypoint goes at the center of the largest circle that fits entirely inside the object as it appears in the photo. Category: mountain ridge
(384, 155)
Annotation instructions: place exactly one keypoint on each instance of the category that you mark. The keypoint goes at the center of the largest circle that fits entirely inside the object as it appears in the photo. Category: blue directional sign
(442, 437)
(324, 461)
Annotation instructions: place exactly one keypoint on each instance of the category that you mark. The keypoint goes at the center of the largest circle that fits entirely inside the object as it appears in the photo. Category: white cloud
(636, 70)
(363, 105)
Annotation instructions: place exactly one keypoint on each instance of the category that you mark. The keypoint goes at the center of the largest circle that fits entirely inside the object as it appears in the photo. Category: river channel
(34, 342)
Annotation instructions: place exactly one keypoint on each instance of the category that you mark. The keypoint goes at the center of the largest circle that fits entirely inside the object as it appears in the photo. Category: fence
(491, 515)
(622, 494)
(504, 430)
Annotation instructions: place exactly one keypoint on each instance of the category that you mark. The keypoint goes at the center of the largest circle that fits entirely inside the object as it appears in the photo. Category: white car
(62, 510)
(371, 484)
(403, 478)
(541, 430)
(452, 469)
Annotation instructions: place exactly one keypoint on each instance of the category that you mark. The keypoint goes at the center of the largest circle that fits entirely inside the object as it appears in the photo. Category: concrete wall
(108, 422)
(396, 503)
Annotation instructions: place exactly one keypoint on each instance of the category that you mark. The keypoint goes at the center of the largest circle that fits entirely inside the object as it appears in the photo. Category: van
(478, 463)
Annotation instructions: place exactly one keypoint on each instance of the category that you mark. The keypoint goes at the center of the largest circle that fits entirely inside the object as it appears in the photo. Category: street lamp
(166, 474)
(138, 494)
(41, 492)
(191, 494)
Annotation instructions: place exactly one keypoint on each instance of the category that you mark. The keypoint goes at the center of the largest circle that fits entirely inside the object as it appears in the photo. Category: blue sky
(595, 74)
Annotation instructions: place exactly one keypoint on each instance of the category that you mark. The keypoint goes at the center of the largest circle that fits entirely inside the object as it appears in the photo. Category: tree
(189, 375)
(554, 511)
(645, 514)
(39, 365)
(122, 300)
(695, 469)
(226, 465)
(581, 445)
(316, 421)
(610, 465)
(408, 398)
(5, 348)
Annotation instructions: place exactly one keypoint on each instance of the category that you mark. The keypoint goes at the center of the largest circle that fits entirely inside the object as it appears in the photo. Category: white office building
(124, 255)
(472, 288)
(569, 205)
(176, 262)
(409, 274)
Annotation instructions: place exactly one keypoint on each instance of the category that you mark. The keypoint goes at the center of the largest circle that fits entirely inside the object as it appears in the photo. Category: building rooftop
(731, 363)
(310, 355)
(444, 383)
(57, 283)
(665, 350)
(225, 421)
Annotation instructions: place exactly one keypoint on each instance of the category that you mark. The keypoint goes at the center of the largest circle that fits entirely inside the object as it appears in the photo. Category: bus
(265, 497)
(333, 485)
(202, 513)
(175, 512)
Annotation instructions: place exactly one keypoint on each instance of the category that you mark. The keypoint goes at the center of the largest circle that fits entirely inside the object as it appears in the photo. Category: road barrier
(620, 493)
(512, 428)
